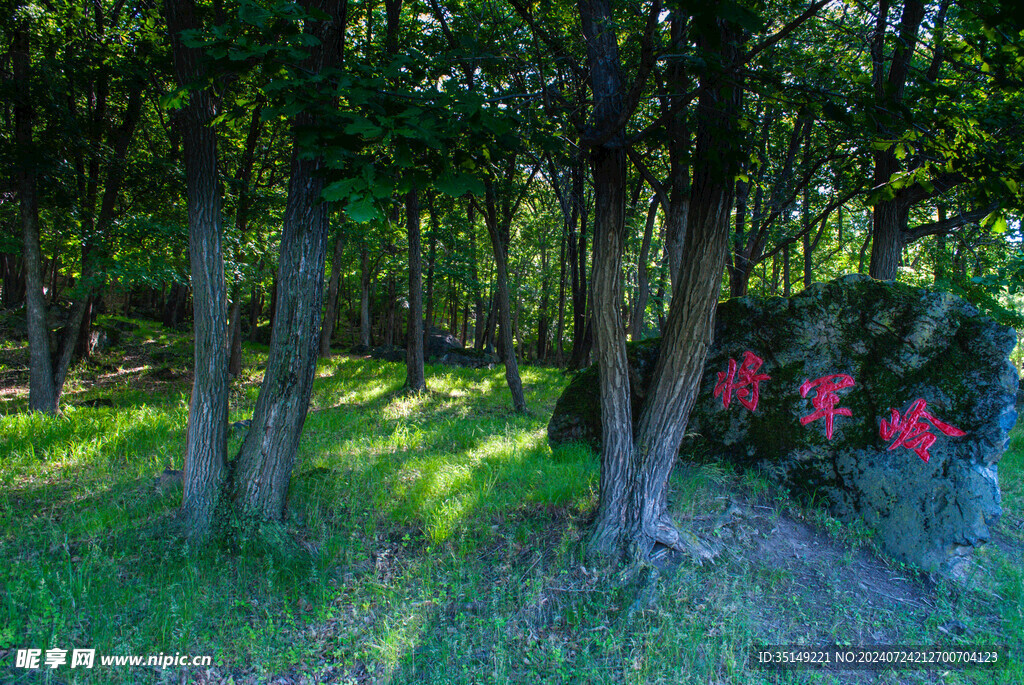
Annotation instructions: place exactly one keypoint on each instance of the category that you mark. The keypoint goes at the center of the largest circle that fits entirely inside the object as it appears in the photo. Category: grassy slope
(439, 541)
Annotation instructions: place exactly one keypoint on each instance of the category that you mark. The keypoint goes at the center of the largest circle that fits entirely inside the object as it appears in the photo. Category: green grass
(439, 540)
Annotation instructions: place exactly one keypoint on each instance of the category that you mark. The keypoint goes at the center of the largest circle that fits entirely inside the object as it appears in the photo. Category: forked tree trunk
(415, 379)
(206, 440)
(634, 474)
(689, 326)
(264, 465)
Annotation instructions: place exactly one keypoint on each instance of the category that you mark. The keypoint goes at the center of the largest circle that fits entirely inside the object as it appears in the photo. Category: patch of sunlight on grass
(401, 635)
(87, 444)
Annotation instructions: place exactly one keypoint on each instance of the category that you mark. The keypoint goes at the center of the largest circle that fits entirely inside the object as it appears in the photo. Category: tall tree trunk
(272, 314)
(42, 394)
(500, 246)
(805, 212)
(235, 334)
(263, 468)
(560, 329)
(787, 288)
(888, 221)
(492, 322)
(478, 300)
(365, 278)
(941, 256)
(390, 334)
(739, 269)
(608, 170)
(578, 264)
(13, 272)
(255, 309)
(415, 380)
(689, 327)
(327, 329)
(243, 179)
(636, 322)
(435, 228)
(890, 216)
(543, 320)
(206, 440)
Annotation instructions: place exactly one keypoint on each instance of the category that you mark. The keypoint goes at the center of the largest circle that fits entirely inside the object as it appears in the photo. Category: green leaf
(459, 184)
(362, 210)
(176, 99)
(339, 190)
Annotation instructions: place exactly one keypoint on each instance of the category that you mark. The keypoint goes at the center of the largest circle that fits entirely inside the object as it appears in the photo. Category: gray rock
(469, 359)
(389, 353)
(874, 356)
(439, 342)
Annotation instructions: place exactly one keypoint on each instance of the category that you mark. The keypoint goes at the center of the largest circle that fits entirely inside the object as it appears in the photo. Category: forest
(273, 192)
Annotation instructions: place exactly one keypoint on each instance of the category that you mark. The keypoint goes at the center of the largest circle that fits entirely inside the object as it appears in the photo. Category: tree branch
(948, 225)
(780, 34)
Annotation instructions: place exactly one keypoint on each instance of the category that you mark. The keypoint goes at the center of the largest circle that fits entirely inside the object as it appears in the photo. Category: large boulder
(389, 353)
(439, 342)
(470, 359)
(888, 402)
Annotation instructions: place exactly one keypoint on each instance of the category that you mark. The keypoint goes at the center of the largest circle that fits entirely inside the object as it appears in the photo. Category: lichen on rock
(928, 371)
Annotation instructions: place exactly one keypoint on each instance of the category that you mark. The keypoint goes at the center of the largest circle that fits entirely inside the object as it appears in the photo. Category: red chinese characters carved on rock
(742, 379)
(826, 399)
(911, 431)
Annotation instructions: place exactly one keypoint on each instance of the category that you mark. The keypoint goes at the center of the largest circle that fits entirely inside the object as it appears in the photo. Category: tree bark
(264, 464)
(206, 439)
(42, 394)
(500, 246)
(415, 379)
(608, 170)
(887, 222)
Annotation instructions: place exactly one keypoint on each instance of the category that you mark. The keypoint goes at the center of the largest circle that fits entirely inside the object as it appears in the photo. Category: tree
(43, 392)
(206, 441)
(264, 464)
